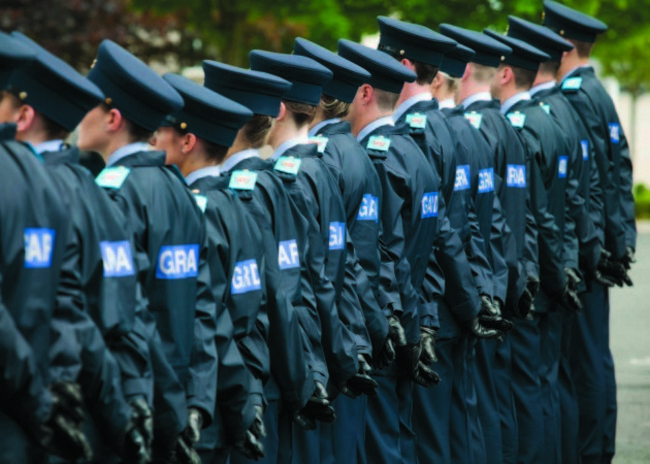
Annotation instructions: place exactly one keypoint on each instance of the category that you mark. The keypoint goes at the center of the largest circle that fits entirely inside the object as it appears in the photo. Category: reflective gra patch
(516, 176)
(245, 278)
(462, 177)
(486, 180)
(337, 235)
(39, 244)
(562, 167)
(118, 259)
(288, 254)
(584, 144)
(614, 132)
(369, 210)
(430, 205)
(178, 262)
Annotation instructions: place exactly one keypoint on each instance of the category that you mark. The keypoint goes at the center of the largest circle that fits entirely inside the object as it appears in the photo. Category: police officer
(296, 343)
(361, 191)
(510, 186)
(546, 144)
(409, 213)
(194, 139)
(34, 240)
(592, 362)
(109, 291)
(169, 236)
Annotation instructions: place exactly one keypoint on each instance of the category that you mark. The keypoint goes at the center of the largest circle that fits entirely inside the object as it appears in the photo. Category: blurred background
(176, 35)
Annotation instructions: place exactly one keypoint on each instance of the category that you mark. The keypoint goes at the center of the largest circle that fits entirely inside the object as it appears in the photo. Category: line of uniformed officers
(418, 273)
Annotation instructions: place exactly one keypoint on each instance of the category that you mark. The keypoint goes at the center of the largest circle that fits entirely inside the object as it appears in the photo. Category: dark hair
(333, 108)
(213, 151)
(550, 67)
(583, 48)
(302, 113)
(425, 72)
(386, 101)
(257, 129)
(136, 132)
(524, 78)
(53, 129)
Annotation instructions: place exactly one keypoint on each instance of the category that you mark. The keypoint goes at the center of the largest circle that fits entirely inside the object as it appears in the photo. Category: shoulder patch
(243, 180)
(416, 120)
(378, 143)
(474, 119)
(288, 164)
(614, 132)
(320, 141)
(546, 107)
(113, 177)
(517, 119)
(201, 201)
(572, 83)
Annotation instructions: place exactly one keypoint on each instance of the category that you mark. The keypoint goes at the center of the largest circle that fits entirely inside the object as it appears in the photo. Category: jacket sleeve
(502, 247)
(594, 241)
(613, 218)
(627, 199)
(575, 204)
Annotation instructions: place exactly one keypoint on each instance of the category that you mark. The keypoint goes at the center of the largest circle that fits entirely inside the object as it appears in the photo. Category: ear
(114, 120)
(469, 71)
(367, 93)
(26, 117)
(507, 76)
(437, 81)
(188, 143)
(283, 112)
(408, 63)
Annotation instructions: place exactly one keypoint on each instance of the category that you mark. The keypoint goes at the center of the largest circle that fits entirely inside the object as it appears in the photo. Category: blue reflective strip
(118, 259)
(562, 167)
(288, 254)
(39, 245)
(245, 278)
(178, 262)
(430, 205)
(337, 235)
(486, 180)
(369, 210)
(584, 144)
(614, 132)
(462, 177)
(516, 176)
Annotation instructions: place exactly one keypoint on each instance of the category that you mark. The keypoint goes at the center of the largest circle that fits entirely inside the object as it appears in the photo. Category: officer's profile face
(93, 135)
(170, 141)
(9, 107)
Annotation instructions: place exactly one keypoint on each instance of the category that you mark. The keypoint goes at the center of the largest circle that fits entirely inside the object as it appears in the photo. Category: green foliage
(642, 201)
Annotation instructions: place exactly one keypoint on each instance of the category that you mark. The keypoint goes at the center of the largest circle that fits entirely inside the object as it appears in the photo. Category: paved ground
(630, 339)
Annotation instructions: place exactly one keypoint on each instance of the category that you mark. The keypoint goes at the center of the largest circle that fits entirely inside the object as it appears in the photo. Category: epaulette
(201, 201)
(378, 143)
(517, 119)
(546, 107)
(243, 180)
(572, 84)
(474, 119)
(320, 141)
(113, 177)
(288, 164)
(416, 120)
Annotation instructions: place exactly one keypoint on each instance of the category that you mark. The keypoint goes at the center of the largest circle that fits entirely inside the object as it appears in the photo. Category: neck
(469, 88)
(543, 78)
(114, 142)
(320, 117)
(287, 130)
(508, 92)
(411, 90)
(366, 117)
(569, 63)
(194, 162)
(33, 137)
(240, 144)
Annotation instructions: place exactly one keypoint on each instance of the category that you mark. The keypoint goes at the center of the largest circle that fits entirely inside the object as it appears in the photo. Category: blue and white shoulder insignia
(572, 84)
(474, 119)
(378, 143)
(288, 164)
(113, 177)
(416, 120)
(243, 180)
(320, 141)
(517, 119)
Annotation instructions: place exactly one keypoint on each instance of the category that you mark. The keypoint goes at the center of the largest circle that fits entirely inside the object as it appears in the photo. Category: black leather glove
(139, 434)
(361, 383)
(409, 358)
(385, 356)
(629, 258)
(616, 271)
(62, 433)
(476, 329)
(250, 445)
(572, 278)
(194, 425)
(318, 408)
(526, 306)
(490, 316)
(184, 452)
(600, 274)
(396, 332)
(570, 300)
(428, 344)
